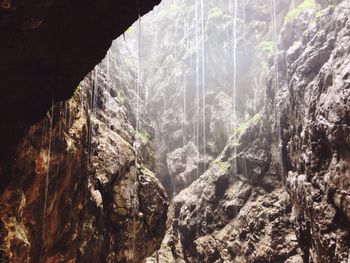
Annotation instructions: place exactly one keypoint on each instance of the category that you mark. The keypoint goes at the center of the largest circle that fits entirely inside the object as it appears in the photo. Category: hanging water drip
(235, 81)
(60, 121)
(244, 24)
(203, 90)
(108, 76)
(197, 105)
(276, 84)
(137, 142)
(203, 78)
(49, 117)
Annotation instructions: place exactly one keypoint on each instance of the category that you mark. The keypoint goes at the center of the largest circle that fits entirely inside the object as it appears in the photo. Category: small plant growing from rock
(121, 98)
(223, 166)
(264, 51)
(306, 4)
(243, 126)
(146, 171)
(142, 136)
(267, 47)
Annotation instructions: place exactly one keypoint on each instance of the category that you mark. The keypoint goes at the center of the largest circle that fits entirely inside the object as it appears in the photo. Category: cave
(173, 131)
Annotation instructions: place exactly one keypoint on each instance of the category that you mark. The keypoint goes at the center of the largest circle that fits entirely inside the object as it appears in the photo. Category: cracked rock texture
(276, 189)
(317, 136)
(269, 184)
(79, 189)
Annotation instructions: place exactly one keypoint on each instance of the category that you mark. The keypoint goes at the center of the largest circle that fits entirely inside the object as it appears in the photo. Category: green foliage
(222, 166)
(129, 61)
(218, 20)
(263, 51)
(143, 136)
(146, 171)
(245, 125)
(306, 4)
(267, 47)
(121, 98)
(215, 12)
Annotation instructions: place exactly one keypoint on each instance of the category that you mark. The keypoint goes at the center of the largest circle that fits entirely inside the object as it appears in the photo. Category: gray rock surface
(317, 136)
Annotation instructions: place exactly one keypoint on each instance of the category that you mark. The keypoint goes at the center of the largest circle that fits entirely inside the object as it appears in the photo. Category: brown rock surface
(75, 190)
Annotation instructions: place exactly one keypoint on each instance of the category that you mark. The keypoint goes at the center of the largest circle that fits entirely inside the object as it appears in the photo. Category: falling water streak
(197, 105)
(292, 5)
(69, 117)
(184, 88)
(47, 178)
(108, 70)
(203, 76)
(138, 78)
(60, 122)
(184, 112)
(43, 134)
(81, 99)
(229, 14)
(203, 104)
(277, 105)
(65, 113)
(138, 94)
(187, 36)
(244, 25)
(90, 111)
(96, 74)
(235, 81)
(185, 31)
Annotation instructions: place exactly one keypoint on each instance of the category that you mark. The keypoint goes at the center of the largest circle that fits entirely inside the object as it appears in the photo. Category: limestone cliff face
(316, 133)
(269, 184)
(79, 189)
(192, 95)
(275, 189)
(237, 211)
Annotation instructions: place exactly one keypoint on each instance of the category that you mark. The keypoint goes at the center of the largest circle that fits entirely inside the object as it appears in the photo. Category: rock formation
(316, 134)
(79, 189)
(275, 191)
(242, 116)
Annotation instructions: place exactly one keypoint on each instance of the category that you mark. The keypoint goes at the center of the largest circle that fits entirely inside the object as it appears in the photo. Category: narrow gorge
(175, 131)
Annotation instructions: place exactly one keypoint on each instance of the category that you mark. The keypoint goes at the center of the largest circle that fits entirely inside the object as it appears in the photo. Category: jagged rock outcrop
(47, 48)
(185, 165)
(285, 196)
(237, 211)
(79, 189)
(189, 77)
(316, 132)
(259, 171)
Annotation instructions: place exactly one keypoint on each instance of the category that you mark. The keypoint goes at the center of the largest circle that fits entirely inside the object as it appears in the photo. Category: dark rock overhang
(46, 49)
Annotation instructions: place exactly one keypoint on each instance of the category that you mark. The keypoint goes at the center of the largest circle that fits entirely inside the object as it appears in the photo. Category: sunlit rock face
(79, 189)
(317, 135)
(47, 48)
